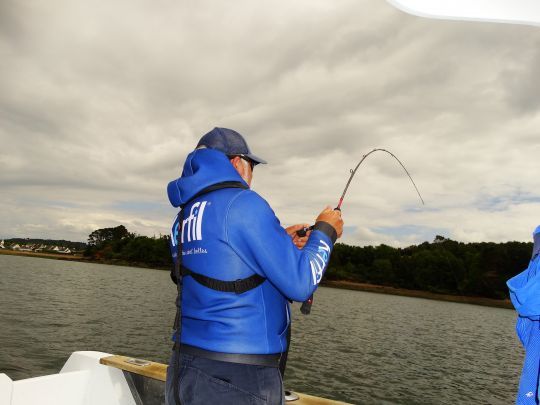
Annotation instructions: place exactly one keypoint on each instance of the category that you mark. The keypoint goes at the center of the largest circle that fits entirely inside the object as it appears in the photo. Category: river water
(358, 347)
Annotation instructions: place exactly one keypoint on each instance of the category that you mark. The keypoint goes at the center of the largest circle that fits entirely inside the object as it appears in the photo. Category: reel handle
(303, 232)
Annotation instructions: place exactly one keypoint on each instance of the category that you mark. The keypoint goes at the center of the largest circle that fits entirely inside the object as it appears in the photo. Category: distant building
(2, 244)
(15, 247)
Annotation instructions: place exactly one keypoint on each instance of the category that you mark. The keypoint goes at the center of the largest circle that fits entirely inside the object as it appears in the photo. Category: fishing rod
(306, 305)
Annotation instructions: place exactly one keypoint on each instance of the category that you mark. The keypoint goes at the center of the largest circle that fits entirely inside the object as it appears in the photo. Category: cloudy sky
(101, 101)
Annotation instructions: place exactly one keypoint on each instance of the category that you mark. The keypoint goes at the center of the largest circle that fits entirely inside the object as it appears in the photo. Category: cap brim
(256, 159)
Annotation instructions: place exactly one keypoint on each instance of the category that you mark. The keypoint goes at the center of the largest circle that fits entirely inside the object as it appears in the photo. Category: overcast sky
(101, 101)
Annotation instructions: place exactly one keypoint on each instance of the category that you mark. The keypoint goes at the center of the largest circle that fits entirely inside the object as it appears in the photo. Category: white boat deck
(95, 378)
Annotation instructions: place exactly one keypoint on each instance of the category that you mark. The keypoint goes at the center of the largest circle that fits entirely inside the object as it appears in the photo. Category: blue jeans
(211, 382)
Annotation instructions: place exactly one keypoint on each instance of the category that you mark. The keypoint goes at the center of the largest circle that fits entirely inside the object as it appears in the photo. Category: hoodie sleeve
(255, 234)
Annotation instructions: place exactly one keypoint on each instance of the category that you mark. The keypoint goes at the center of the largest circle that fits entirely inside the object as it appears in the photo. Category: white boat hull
(82, 381)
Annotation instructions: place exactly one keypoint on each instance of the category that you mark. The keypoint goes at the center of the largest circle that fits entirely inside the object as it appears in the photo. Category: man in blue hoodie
(237, 271)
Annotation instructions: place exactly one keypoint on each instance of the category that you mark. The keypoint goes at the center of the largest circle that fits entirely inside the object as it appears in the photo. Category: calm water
(359, 347)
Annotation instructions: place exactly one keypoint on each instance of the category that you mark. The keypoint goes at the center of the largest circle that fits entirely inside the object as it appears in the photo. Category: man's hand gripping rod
(306, 305)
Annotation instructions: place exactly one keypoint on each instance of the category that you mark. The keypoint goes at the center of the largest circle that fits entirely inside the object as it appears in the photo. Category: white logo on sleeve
(319, 262)
(192, 225)
(174, 234)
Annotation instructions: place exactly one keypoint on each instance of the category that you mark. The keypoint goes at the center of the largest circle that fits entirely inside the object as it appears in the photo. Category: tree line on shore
(120, 245)
(443, 266)
(79, 246)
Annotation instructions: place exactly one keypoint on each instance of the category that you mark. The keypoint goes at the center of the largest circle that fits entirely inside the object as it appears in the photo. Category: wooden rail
(158, 371)
(146, 368)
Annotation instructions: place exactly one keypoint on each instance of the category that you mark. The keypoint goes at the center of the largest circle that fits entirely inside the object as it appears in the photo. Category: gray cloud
(521, 83)
(100, 104)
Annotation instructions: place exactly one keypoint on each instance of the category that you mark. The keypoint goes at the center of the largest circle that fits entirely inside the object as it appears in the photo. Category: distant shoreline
(382, 289)
(342, 284)
(78, 258)
(57, 256)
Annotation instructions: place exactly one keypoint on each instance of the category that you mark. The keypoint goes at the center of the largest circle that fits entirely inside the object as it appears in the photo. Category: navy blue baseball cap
(229, 142)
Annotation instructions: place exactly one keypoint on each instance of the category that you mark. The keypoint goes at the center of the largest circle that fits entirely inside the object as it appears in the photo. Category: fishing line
(353, 172)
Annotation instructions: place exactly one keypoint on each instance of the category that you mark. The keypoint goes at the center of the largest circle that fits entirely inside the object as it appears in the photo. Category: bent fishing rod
(306, 305)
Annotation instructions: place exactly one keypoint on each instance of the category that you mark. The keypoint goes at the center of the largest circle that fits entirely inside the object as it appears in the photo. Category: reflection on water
(358, 347)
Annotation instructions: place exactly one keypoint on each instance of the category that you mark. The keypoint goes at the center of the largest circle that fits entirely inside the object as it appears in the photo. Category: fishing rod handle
(306, 306)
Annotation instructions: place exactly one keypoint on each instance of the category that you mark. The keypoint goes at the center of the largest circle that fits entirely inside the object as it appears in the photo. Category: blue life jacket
(525, 296)
(230, 234)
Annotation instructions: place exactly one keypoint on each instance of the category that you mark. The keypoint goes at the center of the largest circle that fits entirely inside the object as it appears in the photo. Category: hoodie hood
(203, 168)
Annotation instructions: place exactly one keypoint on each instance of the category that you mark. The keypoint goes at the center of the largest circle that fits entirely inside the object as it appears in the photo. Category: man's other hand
(332, 217)
(299, 241)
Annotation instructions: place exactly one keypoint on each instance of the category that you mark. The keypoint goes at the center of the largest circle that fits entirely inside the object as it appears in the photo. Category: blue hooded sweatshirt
(525, 296)
(230, 234)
